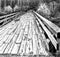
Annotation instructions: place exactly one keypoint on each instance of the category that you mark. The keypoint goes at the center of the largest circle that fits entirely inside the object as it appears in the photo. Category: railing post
(0, 5)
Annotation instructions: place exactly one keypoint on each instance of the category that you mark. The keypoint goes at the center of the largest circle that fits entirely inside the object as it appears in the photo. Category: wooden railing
(7, 18)
(50, 29)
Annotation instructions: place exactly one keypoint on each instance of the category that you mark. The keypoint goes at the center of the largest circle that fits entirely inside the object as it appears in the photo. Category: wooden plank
(4, 30)
(3, 35)
(2, 48)
(15, 49)
(34, 42)
(10, 25)
(8, 40)
(26, 30)
(13, 39)
(13, 43)
(21, 34)
(22, 47)
(7, 15)
(30, 46)
(20, 37)
(54, 42)
(46, 44)
(7, 48)
(40, 30)
(19, 28)
(6, 22)
(14, 28)
(23, 26)
(34, 46)
(38, 36)
(40, 40)
(51, 30)
(52, 25)
(6, 19)
(42, 50)
(27, 47)
(43, 36)
(30, 31)
(4, 39)
(11, 36)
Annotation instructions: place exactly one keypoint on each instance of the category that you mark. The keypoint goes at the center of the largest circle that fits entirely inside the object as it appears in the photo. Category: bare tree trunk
(18, 2)
(0, 5)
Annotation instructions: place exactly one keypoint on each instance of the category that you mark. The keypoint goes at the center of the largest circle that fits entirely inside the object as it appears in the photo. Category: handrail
(54, 27)
(1, 17)
(52, 39)
(6, 20)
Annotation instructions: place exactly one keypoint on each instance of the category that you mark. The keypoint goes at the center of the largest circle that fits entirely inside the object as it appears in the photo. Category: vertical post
(0, 5)
(4, 2)
(10, 2)
(18, 2)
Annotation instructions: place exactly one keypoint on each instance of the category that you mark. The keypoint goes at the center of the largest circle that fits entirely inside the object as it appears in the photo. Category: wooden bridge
(32, 35)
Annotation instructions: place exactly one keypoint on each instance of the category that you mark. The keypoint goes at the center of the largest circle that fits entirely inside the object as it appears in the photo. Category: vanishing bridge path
(28, 34)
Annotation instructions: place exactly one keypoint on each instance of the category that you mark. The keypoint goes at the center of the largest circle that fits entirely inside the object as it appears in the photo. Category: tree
(33, 4)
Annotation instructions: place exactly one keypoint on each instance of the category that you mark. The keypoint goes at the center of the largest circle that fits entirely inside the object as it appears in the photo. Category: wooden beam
(54, 42)
(42, 34)
(52, 25)
(7, 15)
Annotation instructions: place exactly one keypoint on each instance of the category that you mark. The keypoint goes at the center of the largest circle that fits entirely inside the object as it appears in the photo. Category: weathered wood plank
(7, 15)
(11, 36)
(22, 47)
(13, 43)
(7, 48)
(15, 49)
(2, 48)
(3, 35)
(13, 39)
(30, 46)
(43, 36)
(20, 37)
(10, 25)
(8, 40)
(34, 42)
(13, 29)
(21, 34)
(27, 47)
(10, 45)
(52, 25)
(30, 31)
(6, 19)
(42, 50)
(54, 42)
(51, 30)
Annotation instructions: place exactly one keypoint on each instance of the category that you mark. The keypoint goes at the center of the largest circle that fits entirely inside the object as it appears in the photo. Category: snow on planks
(23, 37)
